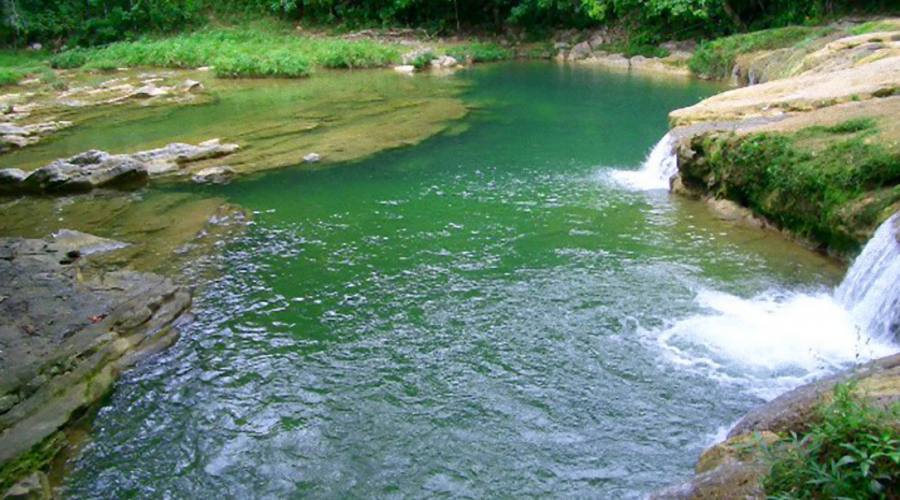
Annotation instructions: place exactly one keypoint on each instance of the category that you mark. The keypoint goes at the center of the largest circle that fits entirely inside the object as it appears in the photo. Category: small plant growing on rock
(852, 452)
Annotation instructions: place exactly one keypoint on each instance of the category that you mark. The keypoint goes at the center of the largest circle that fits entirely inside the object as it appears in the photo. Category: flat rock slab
(67, 329)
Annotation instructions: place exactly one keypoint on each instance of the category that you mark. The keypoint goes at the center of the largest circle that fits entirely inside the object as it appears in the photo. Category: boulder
(214, 175)
(174, 156)
(406, 69)
(87, 171)
(581, 51)
(312, 158)
(11, 180)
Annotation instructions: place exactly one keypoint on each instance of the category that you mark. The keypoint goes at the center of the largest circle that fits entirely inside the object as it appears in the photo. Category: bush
(480, 52)
(853, 452)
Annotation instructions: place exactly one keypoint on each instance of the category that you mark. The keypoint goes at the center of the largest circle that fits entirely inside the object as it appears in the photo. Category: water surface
(484, 314)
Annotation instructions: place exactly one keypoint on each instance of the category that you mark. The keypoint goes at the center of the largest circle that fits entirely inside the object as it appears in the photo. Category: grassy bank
(828, 184)
(235, 52)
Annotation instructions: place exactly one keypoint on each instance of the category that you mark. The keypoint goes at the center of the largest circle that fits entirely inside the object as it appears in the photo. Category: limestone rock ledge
(735, 467)
(68, 328)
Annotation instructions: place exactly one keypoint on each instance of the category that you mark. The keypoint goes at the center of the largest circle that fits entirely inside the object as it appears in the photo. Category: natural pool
(484, 314)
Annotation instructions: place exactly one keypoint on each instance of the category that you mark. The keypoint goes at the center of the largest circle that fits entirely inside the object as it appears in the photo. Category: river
(485, 314)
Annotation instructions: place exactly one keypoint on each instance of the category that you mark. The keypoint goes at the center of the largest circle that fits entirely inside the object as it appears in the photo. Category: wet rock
(11, 179)
(176, 155)
(191, 86)
(406, 69)
(149, 91)
(312, 158)
(34, 487)
(83, 324)
(878, 381)
(90, 170)
(214, 175)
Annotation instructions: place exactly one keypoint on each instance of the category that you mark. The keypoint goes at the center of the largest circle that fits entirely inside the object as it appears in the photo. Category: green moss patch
(832, 185)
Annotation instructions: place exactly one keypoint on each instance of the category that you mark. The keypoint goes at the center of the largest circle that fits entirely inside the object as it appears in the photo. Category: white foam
(769, 343)
(657, 170)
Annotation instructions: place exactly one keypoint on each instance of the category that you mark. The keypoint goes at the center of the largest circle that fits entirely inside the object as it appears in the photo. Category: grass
(716, 58)
(824, 183)
(235, 52)
(480, 52)
(16, 65)
(875, 26)
(852, 452)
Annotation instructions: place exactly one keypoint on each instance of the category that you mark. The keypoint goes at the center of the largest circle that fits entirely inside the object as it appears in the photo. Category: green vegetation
(16, 65)
(234, 52)
(716, 58)
(847, 127)
(874, 26)
(827, 188)
(92, 22)
(480, 52)
(852, 452)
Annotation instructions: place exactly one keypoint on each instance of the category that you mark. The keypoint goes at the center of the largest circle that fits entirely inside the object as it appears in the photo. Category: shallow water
(484, 314)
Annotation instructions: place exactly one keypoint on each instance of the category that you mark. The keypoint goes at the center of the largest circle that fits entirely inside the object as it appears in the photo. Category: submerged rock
(68, 328)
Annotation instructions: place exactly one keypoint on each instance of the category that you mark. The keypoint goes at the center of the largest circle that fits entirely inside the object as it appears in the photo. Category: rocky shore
(68, 327)
(735, 468)
(838, 113)
(800, 114)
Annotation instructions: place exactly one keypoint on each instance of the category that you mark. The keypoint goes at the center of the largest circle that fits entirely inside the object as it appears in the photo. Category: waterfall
(656, 171)
(871, 289)
(781, 339)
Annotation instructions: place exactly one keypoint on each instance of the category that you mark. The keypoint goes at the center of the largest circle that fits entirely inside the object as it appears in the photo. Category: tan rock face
(808, 92)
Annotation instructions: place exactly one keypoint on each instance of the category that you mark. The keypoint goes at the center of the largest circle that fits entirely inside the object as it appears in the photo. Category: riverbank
(812, 148)
(349, 116)
(816, 154)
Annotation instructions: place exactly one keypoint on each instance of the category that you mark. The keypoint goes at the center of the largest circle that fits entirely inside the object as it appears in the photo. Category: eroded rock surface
(67, 329)
(98, 169)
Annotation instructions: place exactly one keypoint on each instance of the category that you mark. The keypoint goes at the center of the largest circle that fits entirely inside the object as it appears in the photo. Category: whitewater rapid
(657, 170)
(779, 339)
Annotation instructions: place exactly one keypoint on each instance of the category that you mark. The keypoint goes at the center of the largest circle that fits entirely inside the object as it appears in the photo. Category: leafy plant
(852, 452)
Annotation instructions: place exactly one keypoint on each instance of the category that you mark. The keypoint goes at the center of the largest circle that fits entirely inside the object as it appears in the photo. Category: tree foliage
(87, 22)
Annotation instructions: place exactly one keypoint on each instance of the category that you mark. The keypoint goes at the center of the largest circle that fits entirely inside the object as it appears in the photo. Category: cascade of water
(871, 289)
(657, 170)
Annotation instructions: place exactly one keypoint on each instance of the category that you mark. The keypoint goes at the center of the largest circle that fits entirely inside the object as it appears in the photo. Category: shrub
(480, 52)
(853, 452)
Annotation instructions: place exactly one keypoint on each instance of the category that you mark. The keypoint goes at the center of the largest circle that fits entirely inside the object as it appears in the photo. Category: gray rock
(214, 175)
(87, 171)
(444, 62)
(312, 158)
(11, 180)
(68, 327)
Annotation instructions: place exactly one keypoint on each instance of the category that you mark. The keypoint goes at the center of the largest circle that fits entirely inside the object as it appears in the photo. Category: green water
(475, 316)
